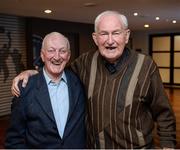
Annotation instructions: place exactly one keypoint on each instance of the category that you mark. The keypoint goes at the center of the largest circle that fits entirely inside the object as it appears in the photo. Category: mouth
(57, 63)
(110, 47)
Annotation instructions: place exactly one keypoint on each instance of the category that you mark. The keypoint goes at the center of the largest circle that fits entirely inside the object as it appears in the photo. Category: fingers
(15, 92)
(24, 76)
(14, 88)
(25, 81)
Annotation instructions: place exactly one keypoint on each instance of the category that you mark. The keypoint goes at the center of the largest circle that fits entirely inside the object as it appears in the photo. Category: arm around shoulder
(24, 76)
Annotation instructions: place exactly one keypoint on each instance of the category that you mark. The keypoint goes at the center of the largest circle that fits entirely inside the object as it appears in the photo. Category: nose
(110, 39)
(57, 55)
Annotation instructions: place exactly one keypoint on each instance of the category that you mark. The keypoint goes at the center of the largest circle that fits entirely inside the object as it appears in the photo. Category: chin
(56, 71)
(112, 59)
(110, 56)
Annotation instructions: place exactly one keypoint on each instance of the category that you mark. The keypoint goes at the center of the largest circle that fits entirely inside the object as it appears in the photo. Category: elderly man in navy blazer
(50, 113)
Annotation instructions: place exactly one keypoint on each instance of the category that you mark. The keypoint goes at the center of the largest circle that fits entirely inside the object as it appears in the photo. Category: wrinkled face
(111, 37)
(55, 55)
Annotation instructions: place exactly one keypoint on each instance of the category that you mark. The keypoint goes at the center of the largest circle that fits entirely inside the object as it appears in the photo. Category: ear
(94, 36)
(69, 56)
(127, 35)
(42, 55)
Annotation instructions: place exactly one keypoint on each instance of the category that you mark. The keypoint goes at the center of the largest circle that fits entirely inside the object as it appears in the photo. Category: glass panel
(176, 75)
(176, 59)
(165, 75)
(161, 43)
(177, 43)
(162, 59)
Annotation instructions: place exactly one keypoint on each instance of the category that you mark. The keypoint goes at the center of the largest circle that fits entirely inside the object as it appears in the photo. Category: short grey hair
(55, 34)
(121, 17)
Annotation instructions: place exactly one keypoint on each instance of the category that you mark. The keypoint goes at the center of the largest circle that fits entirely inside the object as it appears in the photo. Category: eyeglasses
(116, 33)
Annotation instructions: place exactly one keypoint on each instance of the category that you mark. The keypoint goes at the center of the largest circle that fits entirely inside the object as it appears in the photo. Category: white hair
(121, 17)
(55, 34)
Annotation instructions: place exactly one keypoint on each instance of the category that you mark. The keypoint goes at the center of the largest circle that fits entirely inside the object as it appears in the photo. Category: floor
(4, 121)
(174, 96)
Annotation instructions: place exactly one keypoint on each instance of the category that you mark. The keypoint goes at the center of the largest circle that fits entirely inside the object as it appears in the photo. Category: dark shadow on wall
(7, 50)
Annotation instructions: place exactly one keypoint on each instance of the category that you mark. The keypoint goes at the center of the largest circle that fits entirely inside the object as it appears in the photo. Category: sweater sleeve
(162, 112)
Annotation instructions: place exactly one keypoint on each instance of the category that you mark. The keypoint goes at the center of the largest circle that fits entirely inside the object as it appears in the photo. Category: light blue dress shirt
(59, 100)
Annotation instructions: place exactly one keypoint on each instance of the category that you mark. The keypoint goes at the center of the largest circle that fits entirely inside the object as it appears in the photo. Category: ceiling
(76, 11)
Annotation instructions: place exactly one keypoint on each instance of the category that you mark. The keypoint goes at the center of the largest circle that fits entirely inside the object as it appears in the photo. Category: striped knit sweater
(125, 101)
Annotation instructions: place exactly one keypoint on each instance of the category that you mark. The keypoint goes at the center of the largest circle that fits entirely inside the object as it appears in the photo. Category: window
(165, 50)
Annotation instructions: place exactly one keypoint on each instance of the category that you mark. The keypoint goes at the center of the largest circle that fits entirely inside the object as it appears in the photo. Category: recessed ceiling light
(157, 18)
(146, 25)
(135, 14)
(48, 11)
(174, 21)
(90, 4)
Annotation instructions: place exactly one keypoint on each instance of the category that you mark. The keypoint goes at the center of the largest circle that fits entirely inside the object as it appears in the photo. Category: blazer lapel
(72, 100)
(43, 97)
(72, 94)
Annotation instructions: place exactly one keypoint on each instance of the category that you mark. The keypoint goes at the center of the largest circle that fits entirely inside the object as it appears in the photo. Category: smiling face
(55, 54)
(111, 37)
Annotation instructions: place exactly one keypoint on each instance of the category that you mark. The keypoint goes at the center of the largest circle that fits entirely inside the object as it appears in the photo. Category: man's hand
(22, 76)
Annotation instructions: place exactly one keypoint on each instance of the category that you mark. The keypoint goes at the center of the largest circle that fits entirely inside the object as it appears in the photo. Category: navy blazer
(33, 124)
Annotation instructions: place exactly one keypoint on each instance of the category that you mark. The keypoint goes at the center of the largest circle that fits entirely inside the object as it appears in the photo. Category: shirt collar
(49, 80)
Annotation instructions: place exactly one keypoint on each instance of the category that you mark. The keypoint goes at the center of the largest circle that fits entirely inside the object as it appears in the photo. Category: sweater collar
(112, 68)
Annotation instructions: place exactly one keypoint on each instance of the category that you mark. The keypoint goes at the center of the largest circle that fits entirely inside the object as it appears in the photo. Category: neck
(54, 77)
